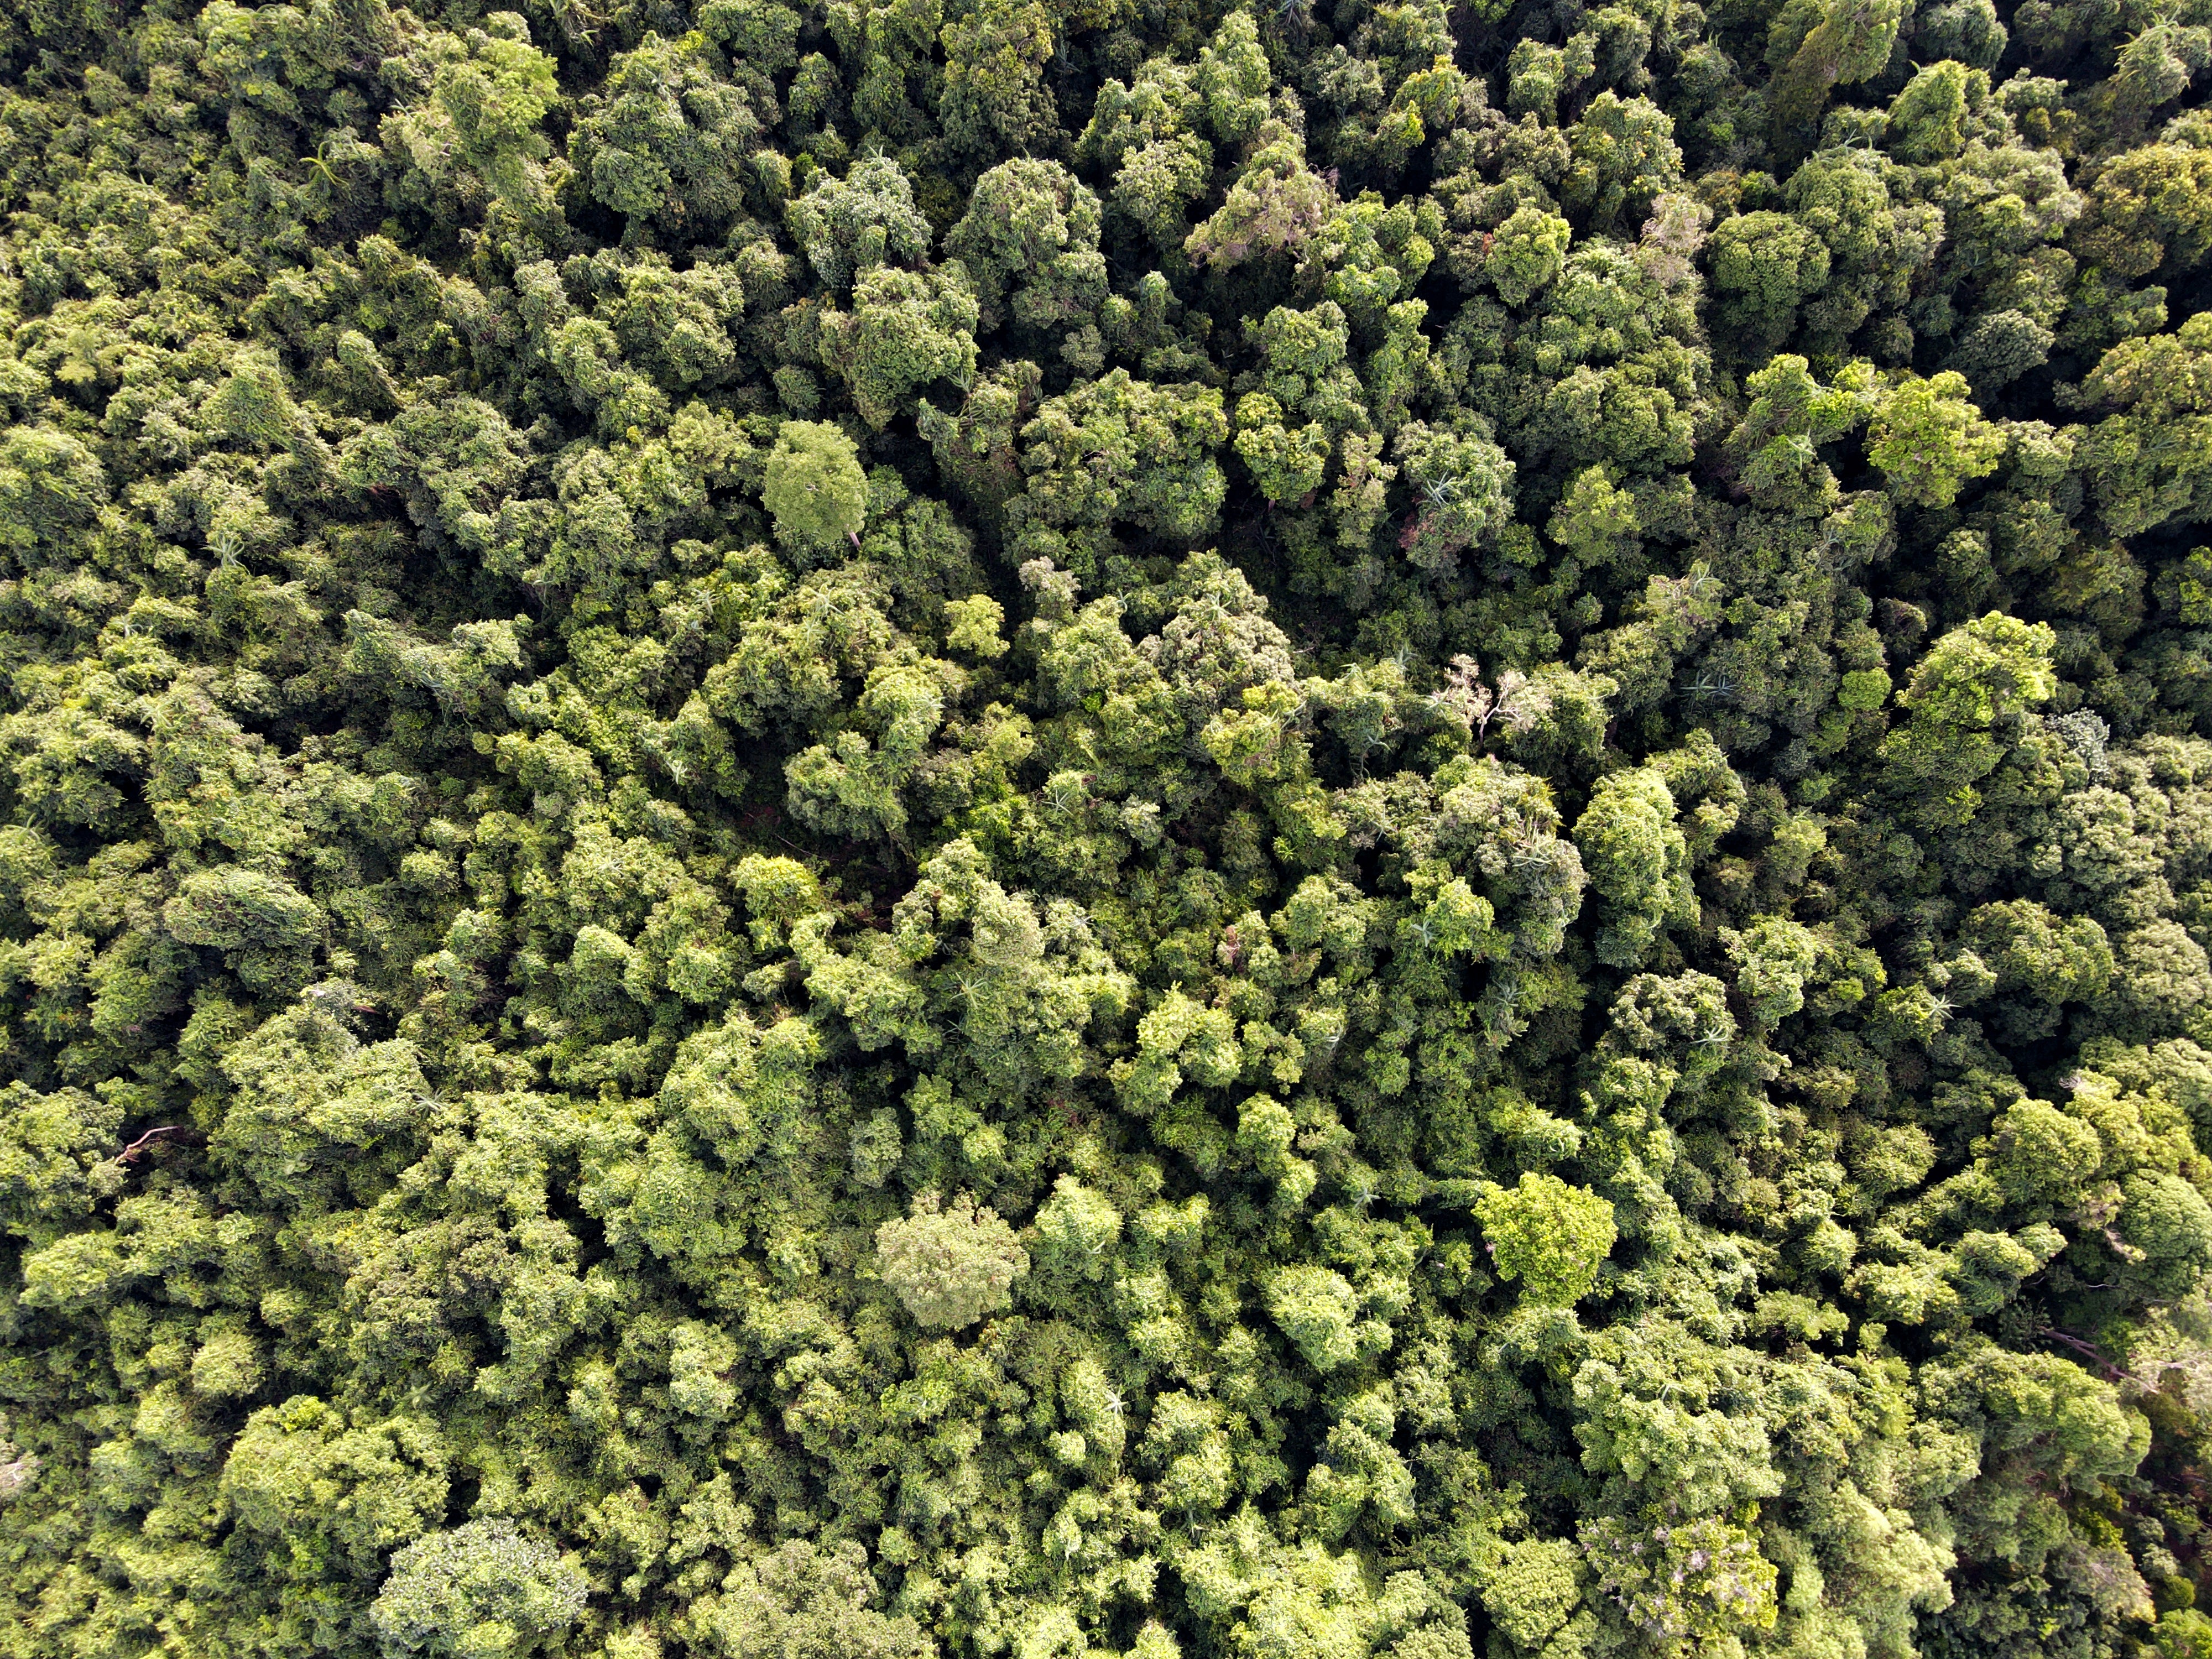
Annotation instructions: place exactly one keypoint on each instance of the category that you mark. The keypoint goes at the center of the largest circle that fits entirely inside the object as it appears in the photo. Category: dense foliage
(940, 829)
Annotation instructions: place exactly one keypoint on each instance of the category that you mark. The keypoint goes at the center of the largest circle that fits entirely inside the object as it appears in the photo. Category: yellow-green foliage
(1067, 830)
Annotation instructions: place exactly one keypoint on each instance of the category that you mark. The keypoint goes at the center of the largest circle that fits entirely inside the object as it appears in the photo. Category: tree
(2149, 209)
(1077, 1231)
(1847, 41)
(2144, 460)
(1275, 206)
(1702, 1581)
(1775, 957)
(850, 225)
(2167, 1219)
(1972, 681)
(976, 449)
(1031, 228)
(2039, 957)
(1232, 78)
(483, 1588)
(952, 1264)
(806, 1599)
(1765, 265)
(1638, 862)
(1465, 485)
(1790, 417)
(1145, 133)
(1318, 1311)
(1285, 465)
(892, 44)
(994, 95)
(814, 489)
(50, 484)
(1606, 374)
(907, 330)
(1622, 157)
(1926, 120)
(1531, 1589)
(1929, 439)
(266, 928)
(1550, 1237)
(670, 139)
(1525, 253)
(1121, 449)
(477, 137)
(299, 1470)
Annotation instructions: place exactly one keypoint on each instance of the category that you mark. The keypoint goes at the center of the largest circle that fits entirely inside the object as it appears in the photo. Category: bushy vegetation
(1030, 829)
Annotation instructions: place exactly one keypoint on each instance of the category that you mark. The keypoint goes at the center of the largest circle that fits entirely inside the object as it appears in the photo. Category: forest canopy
(1106, 830)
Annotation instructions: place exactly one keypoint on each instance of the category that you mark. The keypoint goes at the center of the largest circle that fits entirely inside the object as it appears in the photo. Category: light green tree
(951, 1264)
(1972, 681)
(1550, 1237)
(814, 488)
(1638, 861)
(483, 1589)
(1928, 440)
